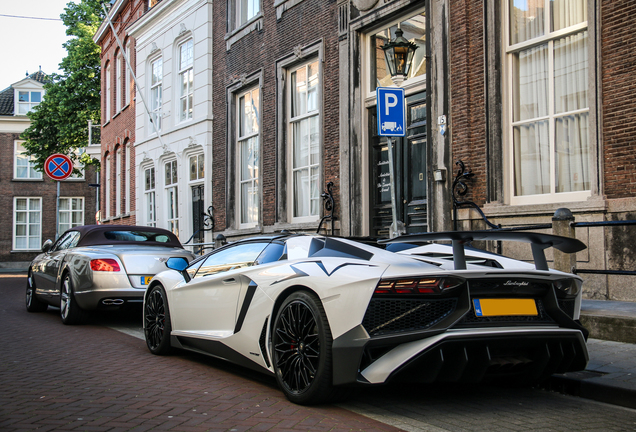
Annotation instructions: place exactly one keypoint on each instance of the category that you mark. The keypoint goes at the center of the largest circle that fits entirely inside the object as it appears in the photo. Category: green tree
(59, 124)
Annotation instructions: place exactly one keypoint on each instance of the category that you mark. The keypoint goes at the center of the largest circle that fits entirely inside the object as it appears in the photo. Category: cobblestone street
(93, 378)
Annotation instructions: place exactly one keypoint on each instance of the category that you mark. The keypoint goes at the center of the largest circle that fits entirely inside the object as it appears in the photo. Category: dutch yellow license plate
(505, 307)
(145, 280)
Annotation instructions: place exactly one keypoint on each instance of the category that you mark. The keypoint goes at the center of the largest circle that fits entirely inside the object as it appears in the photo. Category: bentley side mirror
(47, 245)
(179, 264)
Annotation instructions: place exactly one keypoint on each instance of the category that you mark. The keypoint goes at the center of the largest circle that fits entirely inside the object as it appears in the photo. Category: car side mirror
(179, 264)
(46, 246)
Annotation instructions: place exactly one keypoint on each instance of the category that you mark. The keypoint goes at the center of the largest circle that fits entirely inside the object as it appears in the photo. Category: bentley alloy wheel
(33, 304)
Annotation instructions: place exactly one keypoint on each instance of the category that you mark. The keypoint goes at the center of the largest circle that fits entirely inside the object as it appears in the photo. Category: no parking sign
(58, 166)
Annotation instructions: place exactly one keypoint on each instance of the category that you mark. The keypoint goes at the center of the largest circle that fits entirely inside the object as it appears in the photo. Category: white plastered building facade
(174, 149)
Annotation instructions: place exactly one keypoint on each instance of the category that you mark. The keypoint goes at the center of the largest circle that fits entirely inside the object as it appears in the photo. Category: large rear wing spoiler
(539, 242)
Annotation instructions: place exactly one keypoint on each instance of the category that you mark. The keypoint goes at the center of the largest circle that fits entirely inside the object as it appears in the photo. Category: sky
(29, 43)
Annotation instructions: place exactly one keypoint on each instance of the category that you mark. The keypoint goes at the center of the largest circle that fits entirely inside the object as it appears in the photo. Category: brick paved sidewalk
(91, 378)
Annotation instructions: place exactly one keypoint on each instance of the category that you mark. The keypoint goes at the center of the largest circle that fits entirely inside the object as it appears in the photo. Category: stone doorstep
(611, 328)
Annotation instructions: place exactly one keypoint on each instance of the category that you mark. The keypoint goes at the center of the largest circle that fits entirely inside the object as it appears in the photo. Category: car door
(207, 305)
(49, 266)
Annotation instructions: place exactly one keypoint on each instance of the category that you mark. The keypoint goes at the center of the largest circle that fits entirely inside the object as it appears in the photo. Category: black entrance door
(197, 214)
(410, 172)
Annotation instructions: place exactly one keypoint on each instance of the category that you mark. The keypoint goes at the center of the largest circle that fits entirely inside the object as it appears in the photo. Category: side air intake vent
(262, 344)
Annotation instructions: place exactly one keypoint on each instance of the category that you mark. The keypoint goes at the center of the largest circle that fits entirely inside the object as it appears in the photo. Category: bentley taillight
(105, 264)
(429, 285)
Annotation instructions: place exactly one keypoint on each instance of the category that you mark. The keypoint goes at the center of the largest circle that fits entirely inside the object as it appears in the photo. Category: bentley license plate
(145, 280)
(505, 307)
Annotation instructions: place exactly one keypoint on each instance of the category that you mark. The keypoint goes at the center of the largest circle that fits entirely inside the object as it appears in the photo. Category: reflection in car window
(273, 252)
(75, 236)
(194, 266)
(63, 242)
(239, 256)
(136, 236)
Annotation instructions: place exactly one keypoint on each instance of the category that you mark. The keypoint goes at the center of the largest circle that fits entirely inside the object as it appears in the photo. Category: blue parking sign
(391, 111)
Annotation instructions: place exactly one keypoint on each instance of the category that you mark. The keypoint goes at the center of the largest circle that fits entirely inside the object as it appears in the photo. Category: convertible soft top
(91, 235)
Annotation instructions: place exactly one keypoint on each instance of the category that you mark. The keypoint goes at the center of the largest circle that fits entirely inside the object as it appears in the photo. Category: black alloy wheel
(302, 349)
(157, 325)
(33, 304)
(69, 309)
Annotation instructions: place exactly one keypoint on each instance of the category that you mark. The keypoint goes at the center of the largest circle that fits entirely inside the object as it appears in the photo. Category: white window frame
(108, 95)
(171, 186)
(128, 188)
(19, 155)
(28, 104)
(291, 120)
(150, 198)
(118, 82)
(200, 164)
(118, 180)
(548, 38)
(30, 226)
(186, 95)
(244, 5)
(63, 227)
(107, 184)
(253, 180)
(156, 96)
(127, 87)
(78, 152)
(368, 53)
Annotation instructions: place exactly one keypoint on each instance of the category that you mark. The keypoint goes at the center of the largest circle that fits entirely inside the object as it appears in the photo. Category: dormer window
(27, 100)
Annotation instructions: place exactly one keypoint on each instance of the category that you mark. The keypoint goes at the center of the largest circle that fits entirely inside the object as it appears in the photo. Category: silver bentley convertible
(98, 267)
(321, 313)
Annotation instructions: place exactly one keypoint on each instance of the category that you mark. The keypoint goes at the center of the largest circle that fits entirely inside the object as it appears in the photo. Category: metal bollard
(561, 225)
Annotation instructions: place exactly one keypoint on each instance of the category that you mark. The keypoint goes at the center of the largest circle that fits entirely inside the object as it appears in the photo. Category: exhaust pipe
(113, 302)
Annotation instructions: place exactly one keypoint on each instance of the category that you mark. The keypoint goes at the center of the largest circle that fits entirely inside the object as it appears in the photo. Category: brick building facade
(263, 56)
(27, 196)
(118, 177)
(589, 105)
(533, 97)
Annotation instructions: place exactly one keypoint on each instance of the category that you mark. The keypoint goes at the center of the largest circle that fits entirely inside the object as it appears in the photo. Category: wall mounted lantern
(399, 56)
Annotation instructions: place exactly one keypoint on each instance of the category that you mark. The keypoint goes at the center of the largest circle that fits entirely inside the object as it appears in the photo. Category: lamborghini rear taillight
(430, 285)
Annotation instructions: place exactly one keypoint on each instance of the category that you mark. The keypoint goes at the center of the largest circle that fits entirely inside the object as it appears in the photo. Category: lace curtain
(558, 66)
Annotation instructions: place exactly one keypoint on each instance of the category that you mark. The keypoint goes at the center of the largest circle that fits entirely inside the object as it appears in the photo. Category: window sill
(16, 251)
(116, 218)
(20, 180)
(228, 233)
(294, 226)
(593, 203)
(255, 24)
(283, 5)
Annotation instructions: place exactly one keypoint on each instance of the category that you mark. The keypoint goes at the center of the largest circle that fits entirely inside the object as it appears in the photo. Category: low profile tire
(157, 325)
(33, 304)
(302, 350)
(69, 309)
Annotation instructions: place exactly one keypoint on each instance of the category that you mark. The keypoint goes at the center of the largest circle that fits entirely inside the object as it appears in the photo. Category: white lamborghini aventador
(323, 313)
